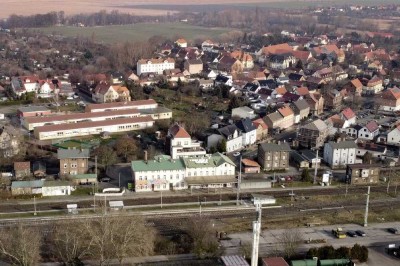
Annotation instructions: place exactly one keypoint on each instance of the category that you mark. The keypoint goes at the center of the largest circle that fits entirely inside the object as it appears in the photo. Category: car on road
(393, 230)
(105, 179)
(360, 233)
(351, 233)
(236, 154)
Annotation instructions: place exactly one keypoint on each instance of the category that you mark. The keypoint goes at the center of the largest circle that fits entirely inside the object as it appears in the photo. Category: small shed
(72, 208)
(274, 261)
(250, 166)
(235, 260)
(116, 205)
(26, 187)
(263, 199)
(56, 188)
(84, 179)
(39, 169)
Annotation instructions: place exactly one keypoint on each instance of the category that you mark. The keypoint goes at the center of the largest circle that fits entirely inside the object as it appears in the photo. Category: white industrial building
(114, 106)
(92, 128)
(165, 173)
(340, 154)
(155, 65)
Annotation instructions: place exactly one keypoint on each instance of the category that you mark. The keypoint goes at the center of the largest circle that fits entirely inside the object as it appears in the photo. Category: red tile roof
(274, 261)
(118, 121)
(348, 113)
(285, 111)
(372, 126)
(356, 83)
(277, 49)
(55, 118)
(133, 104)
(302, 91)
(260, 122)
(18, 166)
(178, 132)
(250, 163)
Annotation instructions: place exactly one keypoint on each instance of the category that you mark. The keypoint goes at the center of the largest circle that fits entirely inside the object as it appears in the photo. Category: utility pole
(239, 180)
(34, 205)
(200, 209)
(366, 208)
(256, 235)
(105, 204)
(346, 190)
(95, 165)
(119, 180)
(161, 199)
(316, 169)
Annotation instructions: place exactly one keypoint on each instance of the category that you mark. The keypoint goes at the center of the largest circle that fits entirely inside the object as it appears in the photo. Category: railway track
(284, 193)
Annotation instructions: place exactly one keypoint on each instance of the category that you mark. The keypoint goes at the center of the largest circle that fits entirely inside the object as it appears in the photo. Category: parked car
(393, 230)
(105, 179)
(360, 233)
(236, 154)
(351, 233)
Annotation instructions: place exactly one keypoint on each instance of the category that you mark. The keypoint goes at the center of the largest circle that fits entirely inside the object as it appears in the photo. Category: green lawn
(137, 32)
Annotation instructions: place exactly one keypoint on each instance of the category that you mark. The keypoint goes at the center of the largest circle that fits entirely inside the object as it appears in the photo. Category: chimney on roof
(145, 156)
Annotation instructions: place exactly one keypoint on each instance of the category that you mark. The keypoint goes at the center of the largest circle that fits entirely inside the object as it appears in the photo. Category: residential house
(249, 131)
(311, 158)
(25, 84)
(39, 169)
(362, 174)
(273, 120)
(223, 80)
(348, 116)
(10, 141)
(104, 93)
(123, 93)
(250, 166)
(243, 112)
(301, 110)
(181, 144)
(264, 53)
(316, 103)
(354, 87)
(233, 137)
(181, 43)
(274, 156)
(230, 65)
(193, 66)
(22, 169)
(377, 151)
(298, 160)
(373, 86)
(369, 131)
(73, 161)
(389, 100)
(288, 117)
(333, 99)
(281, 61)
(313, 135)
(262, 129)
(245, 58)
(393, 137)
(340, 154)
(155, 65)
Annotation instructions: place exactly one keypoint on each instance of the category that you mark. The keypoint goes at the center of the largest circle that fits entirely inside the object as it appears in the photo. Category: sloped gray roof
(301, 104)
(73, 153)
(318, 125)
(347, 144)
(275, 147)
(276, 116)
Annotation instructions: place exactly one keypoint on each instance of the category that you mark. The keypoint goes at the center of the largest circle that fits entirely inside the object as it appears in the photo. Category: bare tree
(290, 241)
(119, 237)
(21, 245)
(69, 241)
(204, 241)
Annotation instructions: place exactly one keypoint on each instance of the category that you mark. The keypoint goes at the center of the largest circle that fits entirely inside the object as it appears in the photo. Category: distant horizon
(26, 7)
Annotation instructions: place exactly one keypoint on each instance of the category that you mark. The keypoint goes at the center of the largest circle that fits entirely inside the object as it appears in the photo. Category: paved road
(377, 238)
